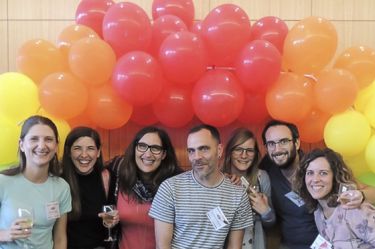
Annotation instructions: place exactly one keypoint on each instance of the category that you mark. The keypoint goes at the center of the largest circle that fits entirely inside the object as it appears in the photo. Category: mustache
(199, 162)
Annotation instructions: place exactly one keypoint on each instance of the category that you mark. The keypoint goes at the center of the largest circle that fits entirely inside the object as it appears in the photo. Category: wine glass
(344, 187)
(110, 211)
(27, 215)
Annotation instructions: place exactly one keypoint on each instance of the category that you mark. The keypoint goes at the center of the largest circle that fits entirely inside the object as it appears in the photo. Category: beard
(288, 163)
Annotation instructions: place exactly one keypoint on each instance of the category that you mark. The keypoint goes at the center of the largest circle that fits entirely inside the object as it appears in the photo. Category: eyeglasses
(239, 150)
(155, 149)
(282, 143)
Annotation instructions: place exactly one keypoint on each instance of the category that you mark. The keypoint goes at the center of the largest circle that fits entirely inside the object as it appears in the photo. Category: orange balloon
(310, 45)
(92, 60)
(311, 128)
(72, 34)
(290, 98)
(335, 90)
(39, 58)
(63, 95)
(106, 109)
(360, 61)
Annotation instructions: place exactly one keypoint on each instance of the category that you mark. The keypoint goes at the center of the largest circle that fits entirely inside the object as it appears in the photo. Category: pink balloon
(143, 115)
(271, 29)
(218, 98)
(184, 9)
(254, 110)
(137, 77)
(126, 27)
(162, 28)
(173, 107)
(183, 57)
(226, 30)
(258, 66)
(91, 13)
(197, 28)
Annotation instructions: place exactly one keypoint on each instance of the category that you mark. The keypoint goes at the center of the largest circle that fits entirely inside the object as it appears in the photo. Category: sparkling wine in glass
(110, 212)
(27, 215)
(344, 187)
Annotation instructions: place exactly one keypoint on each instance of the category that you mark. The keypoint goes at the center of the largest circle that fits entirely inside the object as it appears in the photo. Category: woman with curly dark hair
(318, 182)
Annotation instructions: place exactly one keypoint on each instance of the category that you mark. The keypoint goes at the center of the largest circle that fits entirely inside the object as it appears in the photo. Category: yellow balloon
(18, 96)
(363, 97)
(370, 111)
(357, 164)
(370, 153)
(9, 134)
(347, 133)
(62, 127)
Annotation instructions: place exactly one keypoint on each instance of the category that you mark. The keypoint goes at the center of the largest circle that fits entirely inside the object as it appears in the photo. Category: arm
(59, 233)
(163, 234)
(235, 238)
(369, 192)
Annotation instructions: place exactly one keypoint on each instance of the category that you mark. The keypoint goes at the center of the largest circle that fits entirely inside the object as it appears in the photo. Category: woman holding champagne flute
(92, 188)
(34, 201)
(318, 181)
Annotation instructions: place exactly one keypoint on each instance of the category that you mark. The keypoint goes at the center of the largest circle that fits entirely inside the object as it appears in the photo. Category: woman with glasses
(241, 158)
(148, 161)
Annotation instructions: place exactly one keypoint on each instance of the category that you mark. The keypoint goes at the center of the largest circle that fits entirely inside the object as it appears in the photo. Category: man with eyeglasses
(201, 208)
(298, 229)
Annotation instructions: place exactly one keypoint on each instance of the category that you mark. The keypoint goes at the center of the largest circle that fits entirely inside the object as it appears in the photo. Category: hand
(259, 201)
(16, 231)
(351, 199)
(114, 220)
(235, 179)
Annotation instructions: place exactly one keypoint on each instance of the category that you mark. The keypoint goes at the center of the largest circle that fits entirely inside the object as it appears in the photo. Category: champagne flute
(110, 212)
(27, 214)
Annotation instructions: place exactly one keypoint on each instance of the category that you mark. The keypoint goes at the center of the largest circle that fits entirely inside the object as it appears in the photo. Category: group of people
(160, 206)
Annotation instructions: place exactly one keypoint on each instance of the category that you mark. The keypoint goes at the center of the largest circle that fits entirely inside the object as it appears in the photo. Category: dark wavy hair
(69, 171)
(341, 174)
(54, 168)
(239, 136)
(129, 172)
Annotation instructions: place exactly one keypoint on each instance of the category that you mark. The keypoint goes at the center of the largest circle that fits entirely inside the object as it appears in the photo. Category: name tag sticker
(217, 218)
(295, 198)
(321, 243)
(53, 210)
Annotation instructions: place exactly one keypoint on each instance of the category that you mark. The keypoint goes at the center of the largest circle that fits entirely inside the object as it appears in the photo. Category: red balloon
(106, 109)
(184, 9)
(290, 98)
(271, 29)
(258, 66)
(183, 57)
(63, 95)
(254, 110)
(126, 27)
(311, 128)
(218, 98)
(173, 107)
(143, 115)
(226, 30)
(162, 27)
(197, 28)
(137, 77)
(91, 13)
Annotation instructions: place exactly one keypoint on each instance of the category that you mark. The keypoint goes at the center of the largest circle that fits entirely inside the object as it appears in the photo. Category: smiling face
(147, 161)
(39, 145)
(281, 148)
(319, 178)
(243, 155)
(84, 154)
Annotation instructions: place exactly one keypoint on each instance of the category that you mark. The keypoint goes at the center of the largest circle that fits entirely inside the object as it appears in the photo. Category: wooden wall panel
(42, 9)
(3, 9)
(348, 10)
(22, 31)
(4, 67)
